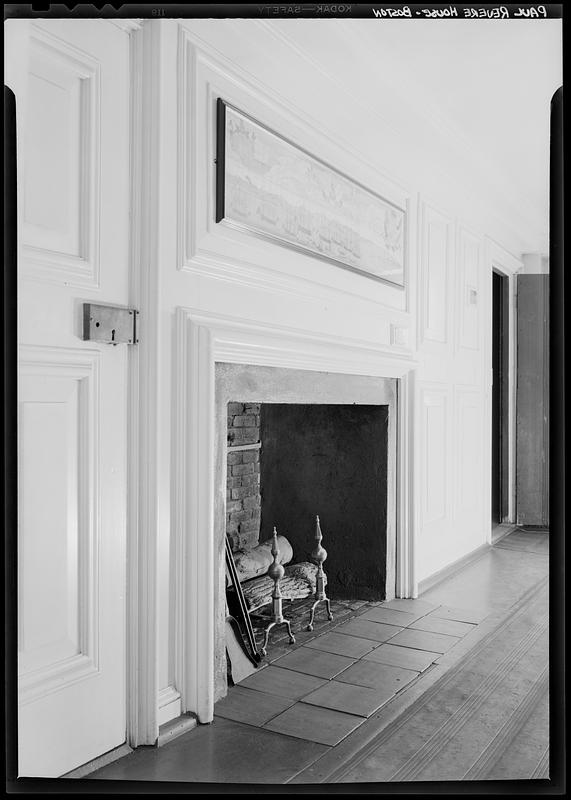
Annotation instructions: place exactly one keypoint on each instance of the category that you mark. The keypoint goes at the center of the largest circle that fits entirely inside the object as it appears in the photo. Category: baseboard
(167, 732)
(175, 728)
(534, 528)
(100, 761)
(451, 569)
(501, 530)
(169, 705)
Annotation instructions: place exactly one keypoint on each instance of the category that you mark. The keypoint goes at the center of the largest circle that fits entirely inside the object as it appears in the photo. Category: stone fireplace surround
(219, 359)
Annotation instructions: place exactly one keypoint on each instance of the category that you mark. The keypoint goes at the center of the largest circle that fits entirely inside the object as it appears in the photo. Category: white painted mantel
(202, 340)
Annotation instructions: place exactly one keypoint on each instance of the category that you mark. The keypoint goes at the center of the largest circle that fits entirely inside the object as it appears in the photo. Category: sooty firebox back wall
(329, 460)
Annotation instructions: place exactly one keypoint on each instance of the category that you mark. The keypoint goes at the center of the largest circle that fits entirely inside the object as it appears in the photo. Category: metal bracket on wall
(110, 324)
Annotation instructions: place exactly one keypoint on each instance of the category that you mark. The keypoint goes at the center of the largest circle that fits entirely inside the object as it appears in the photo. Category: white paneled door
(71, 80)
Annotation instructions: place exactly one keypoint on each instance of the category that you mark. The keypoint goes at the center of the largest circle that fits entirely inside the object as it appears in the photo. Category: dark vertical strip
(496, 399)
(546, 377)
(500, 397)
(504, 398)
(9, 434)
(532, 401)
(220, 156)
(557, 447)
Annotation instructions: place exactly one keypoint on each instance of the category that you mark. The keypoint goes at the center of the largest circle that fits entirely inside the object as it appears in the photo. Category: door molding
(142, 543)
(501, 261)
(202, 339)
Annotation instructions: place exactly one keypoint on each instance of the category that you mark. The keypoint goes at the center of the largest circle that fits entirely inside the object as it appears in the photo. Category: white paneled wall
(453, 391)
(437, 326)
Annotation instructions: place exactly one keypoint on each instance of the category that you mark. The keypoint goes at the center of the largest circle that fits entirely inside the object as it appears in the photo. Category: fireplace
(218, 359)
(292, 444)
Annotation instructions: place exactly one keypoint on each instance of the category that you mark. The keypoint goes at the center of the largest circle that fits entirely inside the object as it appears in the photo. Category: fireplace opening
(288, 462)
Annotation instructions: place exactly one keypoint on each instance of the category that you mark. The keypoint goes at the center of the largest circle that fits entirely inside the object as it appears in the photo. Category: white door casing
(71, 80)
(500, 260)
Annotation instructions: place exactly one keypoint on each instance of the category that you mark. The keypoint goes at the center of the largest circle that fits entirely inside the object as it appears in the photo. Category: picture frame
(268, 186)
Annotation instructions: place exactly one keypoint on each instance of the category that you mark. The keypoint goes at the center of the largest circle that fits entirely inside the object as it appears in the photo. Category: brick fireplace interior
(287, 462)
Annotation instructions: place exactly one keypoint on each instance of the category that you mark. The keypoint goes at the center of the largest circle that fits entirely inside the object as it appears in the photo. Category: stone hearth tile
(342, 645)
(375, 675)
(249, 706)
(359, 700)
(447, 626)
(366, 629)
(418, 607)
(283, 682)
(405, 657)
(314, 662)
(356, 604)
(391, 617)
(322, 725)
(224, 752)
(473, 615)
(423, 640)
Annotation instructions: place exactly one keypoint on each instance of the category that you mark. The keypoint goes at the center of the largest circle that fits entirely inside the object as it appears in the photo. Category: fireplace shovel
(239, 630)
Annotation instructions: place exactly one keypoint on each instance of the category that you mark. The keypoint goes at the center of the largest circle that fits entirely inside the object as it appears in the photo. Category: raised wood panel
(469, 452)
(435, 271)
(49, 522)
(52, 183)
(61, 158)
(434, 464)
(470, 292)
(58, 531)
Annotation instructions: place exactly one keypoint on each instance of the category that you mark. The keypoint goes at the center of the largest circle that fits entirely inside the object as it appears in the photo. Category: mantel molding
(201, 340)
(252, 342)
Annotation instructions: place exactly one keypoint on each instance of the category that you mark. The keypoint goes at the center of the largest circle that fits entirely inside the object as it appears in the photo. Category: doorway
(500, 397)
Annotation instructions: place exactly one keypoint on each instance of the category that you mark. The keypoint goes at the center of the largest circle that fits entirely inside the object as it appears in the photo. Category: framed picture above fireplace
(272, 188)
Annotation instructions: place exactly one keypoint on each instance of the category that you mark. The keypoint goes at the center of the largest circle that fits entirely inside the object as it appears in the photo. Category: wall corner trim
(142, 520)
(451, 569)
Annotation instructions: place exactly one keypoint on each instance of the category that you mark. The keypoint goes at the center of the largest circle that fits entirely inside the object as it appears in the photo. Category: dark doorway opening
(500, 397)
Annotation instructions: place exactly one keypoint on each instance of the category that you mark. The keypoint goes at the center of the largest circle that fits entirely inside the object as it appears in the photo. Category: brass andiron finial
(276, 573)
(319, 555)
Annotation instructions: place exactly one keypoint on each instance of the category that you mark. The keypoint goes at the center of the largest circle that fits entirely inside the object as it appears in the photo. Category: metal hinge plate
(110, 324)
